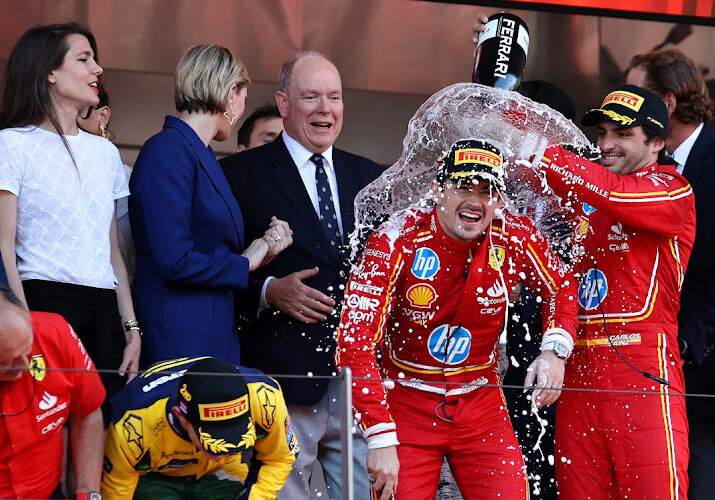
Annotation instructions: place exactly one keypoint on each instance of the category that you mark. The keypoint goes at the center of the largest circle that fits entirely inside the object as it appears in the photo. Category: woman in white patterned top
(58, 192)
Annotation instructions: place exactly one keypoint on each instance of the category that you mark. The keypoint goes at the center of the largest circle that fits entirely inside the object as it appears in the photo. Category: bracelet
(138, 330)
(131, 325)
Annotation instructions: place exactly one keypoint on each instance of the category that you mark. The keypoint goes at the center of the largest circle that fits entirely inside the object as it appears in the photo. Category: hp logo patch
(426, 263)
(587, 209)
(593, 289)
(449, 345)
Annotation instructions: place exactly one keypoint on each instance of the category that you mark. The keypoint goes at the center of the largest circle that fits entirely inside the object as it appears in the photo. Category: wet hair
(27, 98)
(286, 74)
(672, 71)
(204, 77)
(246, 129)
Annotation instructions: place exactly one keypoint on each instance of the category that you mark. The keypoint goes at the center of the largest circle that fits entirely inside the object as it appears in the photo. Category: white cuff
(383, 440)
(381, 435)
(262, 304)
(557, 335)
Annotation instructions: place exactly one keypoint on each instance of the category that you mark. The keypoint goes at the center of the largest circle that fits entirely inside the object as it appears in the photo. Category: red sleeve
(87, 391)
(654, 200)
(549, 278)
(366, 309)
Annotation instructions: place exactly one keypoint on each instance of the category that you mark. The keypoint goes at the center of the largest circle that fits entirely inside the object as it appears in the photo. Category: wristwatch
(560, 349)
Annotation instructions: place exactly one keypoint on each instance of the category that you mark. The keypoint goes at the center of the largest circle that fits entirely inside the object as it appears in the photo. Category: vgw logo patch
(449, 345)
(593, 289)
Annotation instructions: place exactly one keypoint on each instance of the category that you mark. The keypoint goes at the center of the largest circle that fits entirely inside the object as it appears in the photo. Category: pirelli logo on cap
(223, 411)
(480, 156)
(627, 99)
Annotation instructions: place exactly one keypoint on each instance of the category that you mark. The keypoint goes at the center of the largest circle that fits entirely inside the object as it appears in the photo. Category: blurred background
(392, 54)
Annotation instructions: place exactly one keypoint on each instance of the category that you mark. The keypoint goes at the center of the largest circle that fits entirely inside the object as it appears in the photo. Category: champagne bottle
(501, 52)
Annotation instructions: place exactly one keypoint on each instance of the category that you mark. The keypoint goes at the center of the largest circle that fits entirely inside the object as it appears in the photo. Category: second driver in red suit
(431, 291)
(635, 228)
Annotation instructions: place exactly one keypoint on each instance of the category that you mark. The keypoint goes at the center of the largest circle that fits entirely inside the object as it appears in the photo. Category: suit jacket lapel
(697, 159)
(210, 165)
(289, 182)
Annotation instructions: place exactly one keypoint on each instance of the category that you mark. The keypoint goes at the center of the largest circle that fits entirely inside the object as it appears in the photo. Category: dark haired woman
(58, 186)
(186, 223)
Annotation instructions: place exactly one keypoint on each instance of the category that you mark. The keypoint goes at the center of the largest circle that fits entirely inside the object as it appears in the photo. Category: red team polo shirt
(31, 442)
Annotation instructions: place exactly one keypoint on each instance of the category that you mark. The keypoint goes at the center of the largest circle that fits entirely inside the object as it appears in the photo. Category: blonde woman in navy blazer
(186, 223)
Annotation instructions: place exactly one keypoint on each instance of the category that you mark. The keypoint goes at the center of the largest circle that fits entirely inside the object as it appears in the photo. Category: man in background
(691, 142)
(304, 179)
(261, 127)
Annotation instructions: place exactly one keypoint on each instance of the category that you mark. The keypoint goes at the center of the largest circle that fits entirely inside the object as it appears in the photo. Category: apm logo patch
(593, 289)
(449, 345)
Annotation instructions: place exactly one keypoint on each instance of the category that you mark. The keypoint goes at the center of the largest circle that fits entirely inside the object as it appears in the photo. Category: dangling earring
(232, 119)
(103, 131)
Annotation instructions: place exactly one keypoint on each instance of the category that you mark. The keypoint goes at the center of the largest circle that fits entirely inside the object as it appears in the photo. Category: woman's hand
(130, 359)
(281, 235)
(262, 250)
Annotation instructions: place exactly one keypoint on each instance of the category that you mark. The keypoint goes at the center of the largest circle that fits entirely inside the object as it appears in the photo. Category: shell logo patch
(421, 295)
(627, 99)
(496, 257)
(478, 156)
(38, 367)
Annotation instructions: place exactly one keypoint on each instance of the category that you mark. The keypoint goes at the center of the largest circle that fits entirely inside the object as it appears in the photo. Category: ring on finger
(277, 237)
(372, 479)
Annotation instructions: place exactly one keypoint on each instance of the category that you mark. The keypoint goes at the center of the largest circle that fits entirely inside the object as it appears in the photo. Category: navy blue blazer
(266, 182)
(3, 276)
(697, 301)
(188, 233)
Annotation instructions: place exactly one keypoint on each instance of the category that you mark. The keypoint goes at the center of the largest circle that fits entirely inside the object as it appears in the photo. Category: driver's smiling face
(466, 209)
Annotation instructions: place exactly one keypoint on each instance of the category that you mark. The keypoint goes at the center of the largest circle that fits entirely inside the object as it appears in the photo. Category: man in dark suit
(303, 179)
(691, 143)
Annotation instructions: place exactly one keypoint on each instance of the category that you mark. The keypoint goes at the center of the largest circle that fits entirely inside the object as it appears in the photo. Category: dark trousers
(93, 314)
(701, 469)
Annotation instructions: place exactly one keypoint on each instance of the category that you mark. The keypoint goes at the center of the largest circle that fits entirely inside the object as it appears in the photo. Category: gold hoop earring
(232, 119)
(103, 131)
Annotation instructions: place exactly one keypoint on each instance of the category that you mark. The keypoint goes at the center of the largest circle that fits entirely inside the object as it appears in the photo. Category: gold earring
(103, 131)
(232, 119)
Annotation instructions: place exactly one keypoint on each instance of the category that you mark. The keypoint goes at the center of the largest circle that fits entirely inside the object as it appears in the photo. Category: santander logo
(48, 401)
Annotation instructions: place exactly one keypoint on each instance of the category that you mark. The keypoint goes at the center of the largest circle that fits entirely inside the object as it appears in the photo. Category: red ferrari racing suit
(435, 307)
(635, 234)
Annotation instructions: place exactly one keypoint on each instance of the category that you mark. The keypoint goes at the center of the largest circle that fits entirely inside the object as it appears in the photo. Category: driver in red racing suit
(431, 291)
(636, 226)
